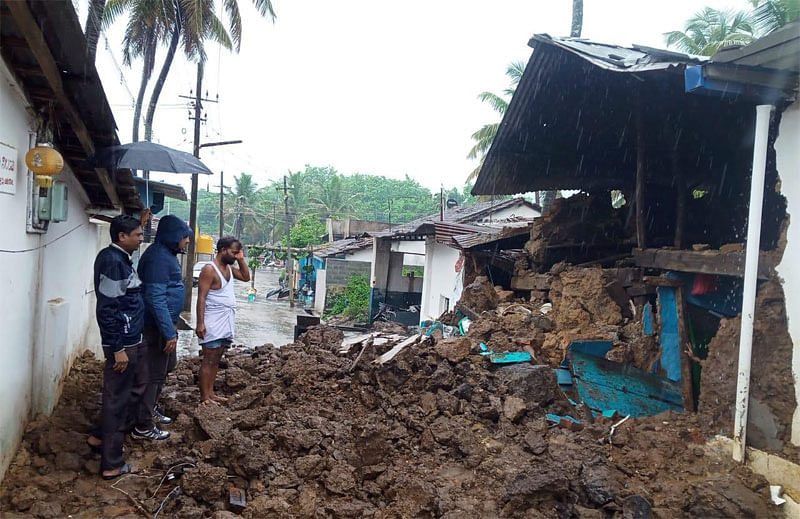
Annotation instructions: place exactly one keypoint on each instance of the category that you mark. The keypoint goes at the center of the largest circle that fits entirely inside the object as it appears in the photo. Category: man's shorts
(218, 343)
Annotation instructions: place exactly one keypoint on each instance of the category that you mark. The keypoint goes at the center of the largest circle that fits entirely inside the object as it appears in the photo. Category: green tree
(332, 201)
(485, 135)
(353, 301)
(710, 29)
(92, 27)
(577, 19)
(308, 230)
(771, 15)
(193, 22)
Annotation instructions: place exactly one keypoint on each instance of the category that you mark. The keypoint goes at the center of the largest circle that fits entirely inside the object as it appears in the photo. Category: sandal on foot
(127, 468)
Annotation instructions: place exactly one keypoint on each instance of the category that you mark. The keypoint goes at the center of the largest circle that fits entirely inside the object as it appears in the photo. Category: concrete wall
(337, 271)
(787, 149)
(441, 279)
(46, 281)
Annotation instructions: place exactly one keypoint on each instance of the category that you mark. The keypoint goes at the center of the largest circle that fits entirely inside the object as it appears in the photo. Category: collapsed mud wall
(772, 396)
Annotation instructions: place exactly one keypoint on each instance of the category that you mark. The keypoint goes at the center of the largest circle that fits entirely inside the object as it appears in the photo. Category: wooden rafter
(38, 46)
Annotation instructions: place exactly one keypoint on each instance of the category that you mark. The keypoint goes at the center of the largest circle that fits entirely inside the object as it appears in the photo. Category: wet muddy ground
(263, 321)
(436, 432)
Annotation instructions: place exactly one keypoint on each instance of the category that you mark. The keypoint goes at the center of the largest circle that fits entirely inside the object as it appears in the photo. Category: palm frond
(113, 10)
(497, 103)
(515, 70)
(234, 22)
(265, 8)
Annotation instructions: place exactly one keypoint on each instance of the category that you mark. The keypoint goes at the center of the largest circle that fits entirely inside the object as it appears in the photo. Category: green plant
(353, 301)
(416, 270)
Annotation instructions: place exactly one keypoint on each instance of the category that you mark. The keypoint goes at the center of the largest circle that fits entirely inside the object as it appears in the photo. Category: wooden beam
(702, 262)
(12, 41)
(24, 70)
(38, 46)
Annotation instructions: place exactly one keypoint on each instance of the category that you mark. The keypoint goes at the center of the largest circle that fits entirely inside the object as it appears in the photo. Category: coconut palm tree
(710, 29)
(485, 135)
(770, 15)
(192, 22)
(332, 201)
(577, 19)
(92, 27)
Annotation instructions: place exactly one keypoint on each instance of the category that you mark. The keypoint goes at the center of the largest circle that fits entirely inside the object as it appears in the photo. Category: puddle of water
(259, 322)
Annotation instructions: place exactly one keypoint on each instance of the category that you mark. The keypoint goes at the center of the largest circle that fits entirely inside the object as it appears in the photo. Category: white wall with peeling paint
(47, 315)
(787, 153)
(441, 281)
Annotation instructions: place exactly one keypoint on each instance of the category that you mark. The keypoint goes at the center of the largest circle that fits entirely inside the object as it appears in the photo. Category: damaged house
(647, 264)
(413, 273)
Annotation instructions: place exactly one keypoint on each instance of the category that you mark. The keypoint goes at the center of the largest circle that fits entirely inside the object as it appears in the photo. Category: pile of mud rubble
(437, 431)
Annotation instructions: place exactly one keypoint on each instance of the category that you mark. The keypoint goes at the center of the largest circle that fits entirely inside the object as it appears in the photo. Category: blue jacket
(120, 309)
(160, 271)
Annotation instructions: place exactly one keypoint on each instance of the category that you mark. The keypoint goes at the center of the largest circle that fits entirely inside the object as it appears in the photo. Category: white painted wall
(360, 255)
(321, 291)
(39, 340)
(787, 149)
(441, 279)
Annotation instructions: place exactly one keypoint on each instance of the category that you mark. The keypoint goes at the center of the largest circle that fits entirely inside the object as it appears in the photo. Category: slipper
(127, 468)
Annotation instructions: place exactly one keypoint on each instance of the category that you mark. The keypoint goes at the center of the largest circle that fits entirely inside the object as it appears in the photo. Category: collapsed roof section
(580, 108)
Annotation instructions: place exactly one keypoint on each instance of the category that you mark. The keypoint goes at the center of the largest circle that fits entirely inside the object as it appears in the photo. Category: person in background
(216, 310)
(120, 317)
(164, 293)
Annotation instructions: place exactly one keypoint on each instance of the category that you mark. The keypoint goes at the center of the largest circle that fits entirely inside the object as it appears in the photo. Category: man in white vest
(216, 310)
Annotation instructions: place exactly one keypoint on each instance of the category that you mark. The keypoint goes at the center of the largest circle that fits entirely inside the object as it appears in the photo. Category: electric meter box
(53, 203)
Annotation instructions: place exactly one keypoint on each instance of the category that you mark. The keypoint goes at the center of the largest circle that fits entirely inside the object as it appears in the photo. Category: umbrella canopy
(148, 156)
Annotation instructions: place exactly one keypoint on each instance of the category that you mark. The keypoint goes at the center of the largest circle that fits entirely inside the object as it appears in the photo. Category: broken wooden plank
(702, 262)
(389, 355)
(659, 281)
(349, 342)
(531, 282)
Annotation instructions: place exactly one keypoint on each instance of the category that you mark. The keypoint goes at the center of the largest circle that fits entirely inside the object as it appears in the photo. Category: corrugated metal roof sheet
(778, 50)
(462, 215)
(474, 239)
(617, 58)
(345, 246)
(572, 122)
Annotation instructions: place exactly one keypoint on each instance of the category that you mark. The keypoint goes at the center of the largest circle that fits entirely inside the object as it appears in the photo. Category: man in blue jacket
(120, 317)
(164, 293)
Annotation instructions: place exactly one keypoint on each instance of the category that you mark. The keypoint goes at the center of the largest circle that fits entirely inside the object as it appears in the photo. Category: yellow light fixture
(45, 162)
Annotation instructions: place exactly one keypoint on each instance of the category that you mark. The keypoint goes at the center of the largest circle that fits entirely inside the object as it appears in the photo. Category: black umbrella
(148, 156)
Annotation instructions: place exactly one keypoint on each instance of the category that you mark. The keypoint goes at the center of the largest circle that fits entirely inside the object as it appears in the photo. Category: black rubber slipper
(127, 468)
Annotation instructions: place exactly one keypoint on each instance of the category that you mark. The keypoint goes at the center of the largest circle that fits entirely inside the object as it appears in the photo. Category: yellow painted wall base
(775, 469)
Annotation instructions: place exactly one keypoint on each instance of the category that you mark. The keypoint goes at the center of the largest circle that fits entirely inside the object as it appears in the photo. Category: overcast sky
(367, 86)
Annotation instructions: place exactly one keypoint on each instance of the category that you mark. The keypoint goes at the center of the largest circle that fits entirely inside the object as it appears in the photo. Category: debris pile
(772, 398)
(436, 431)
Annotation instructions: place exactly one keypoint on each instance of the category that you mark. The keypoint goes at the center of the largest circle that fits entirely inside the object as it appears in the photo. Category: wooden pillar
(680, 199)
(640, 175)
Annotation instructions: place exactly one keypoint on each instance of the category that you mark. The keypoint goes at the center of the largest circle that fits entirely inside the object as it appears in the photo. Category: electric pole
(198, 106)
(441, 203)
(221, 203)
(289, 260)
